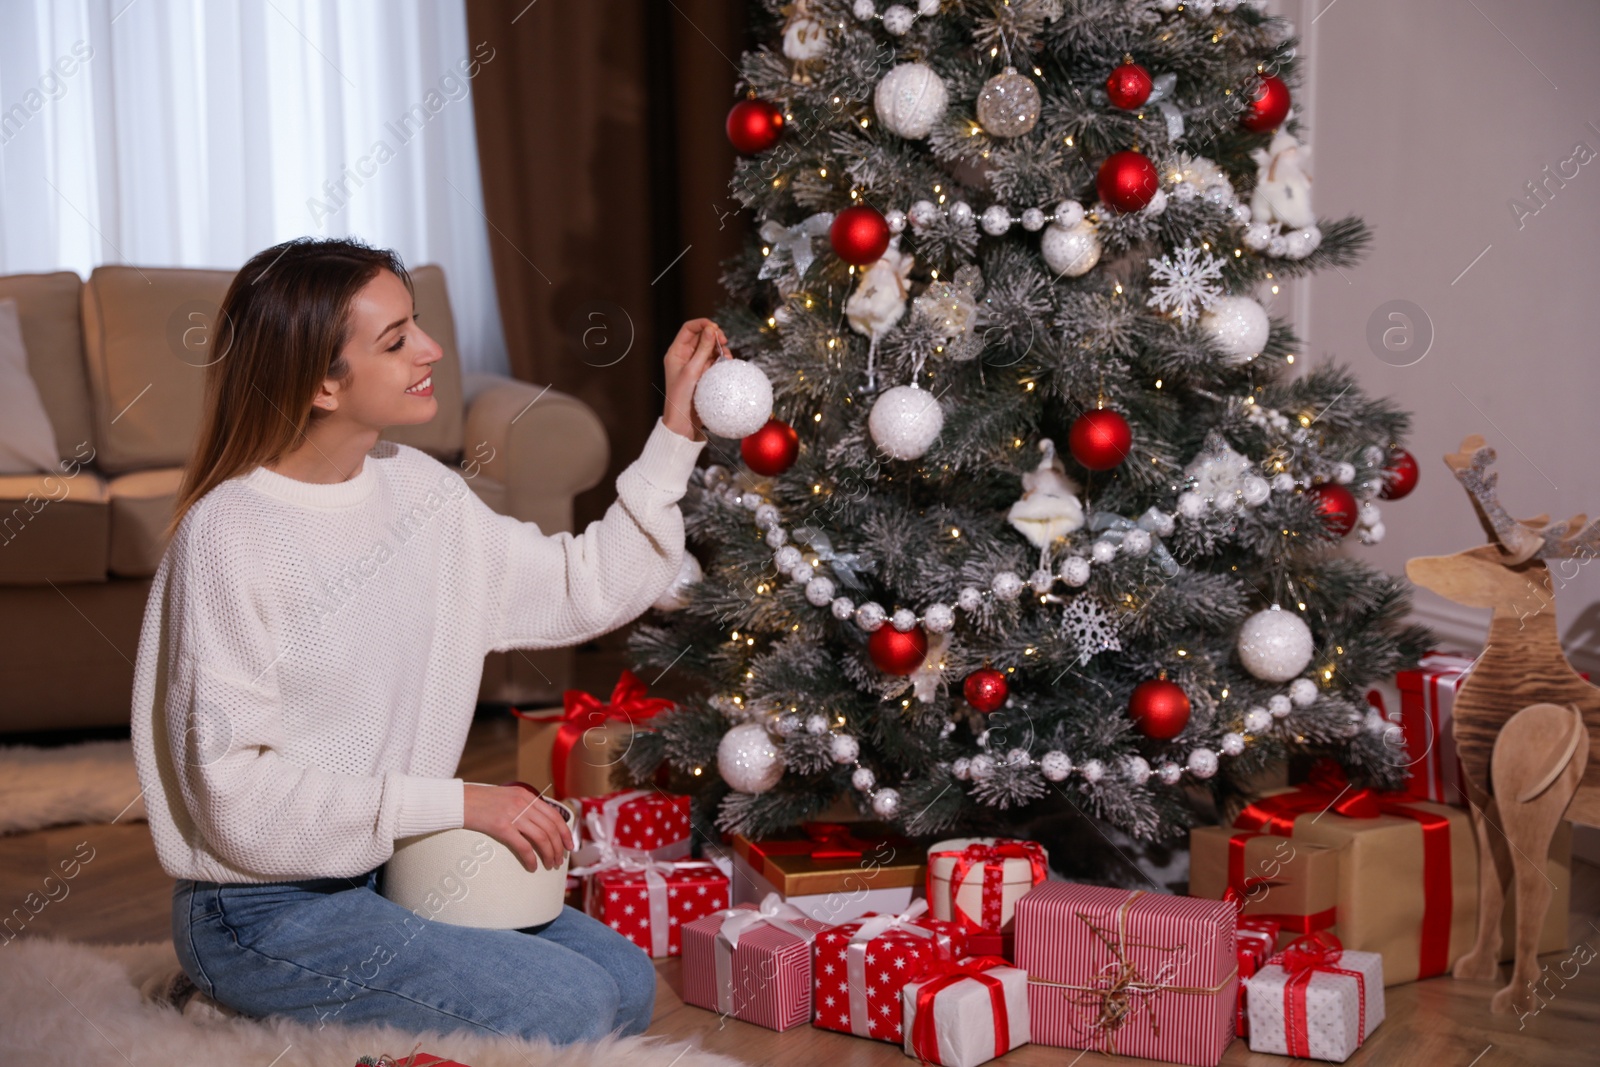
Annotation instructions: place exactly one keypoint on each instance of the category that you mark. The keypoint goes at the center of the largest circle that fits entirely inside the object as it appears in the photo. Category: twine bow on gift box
(940, 974)
(1303, 958)
(583, 712)
(993, 858)
(772, 911)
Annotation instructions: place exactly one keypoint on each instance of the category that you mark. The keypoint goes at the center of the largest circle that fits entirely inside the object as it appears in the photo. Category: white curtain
(198, 132)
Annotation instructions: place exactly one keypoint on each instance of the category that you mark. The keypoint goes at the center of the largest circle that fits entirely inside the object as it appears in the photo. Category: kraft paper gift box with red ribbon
(646, 821)
(1128, 972)
(753, 963)
(572, 750)
(1316, 1000)
(861, 966)
(991, 875)
(967, 1013)
(1290, 882)
(832, 871)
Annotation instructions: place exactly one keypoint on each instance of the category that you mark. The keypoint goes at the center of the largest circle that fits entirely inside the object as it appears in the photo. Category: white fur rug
(70, 1004)
(92, 782)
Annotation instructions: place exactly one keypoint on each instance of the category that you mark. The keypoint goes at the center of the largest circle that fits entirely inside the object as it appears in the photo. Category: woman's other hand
(694, 349)
(530, 826)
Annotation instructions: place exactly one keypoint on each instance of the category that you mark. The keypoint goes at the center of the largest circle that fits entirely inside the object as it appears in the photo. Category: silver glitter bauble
(1275, 645)
(910, 99)
(980, 767)
(677, 594)
(1055, 766)
(903, 619)
(904, 421)
(816, 725)
(1006, 585)
(897, 19)
(788, 724)
(1170, 773)
(787, 558)
(1074, 570)
(961, 768)
(1032, 220)
(1102, 551)
(733, 398)
(1092, 770)
(922, 213)
(1303, 692)
(870, 616)
(996, 220)
(886, 803)
(1238, 326)
(1232, 743)
(1257, 720)
(1041, 580)
(1136, 769)
(863, 779)
(844, 748)
(1008, 104)
(842, 607)
(1070, 250)
(819, 591)
(1280, 706)
(969, 599)
(748, 759)
(1202, 763)
(960, 212)
(938, 618)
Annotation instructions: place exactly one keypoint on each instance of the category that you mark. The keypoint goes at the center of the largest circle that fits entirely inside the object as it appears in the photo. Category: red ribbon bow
(993, 858)
(583, 712)
(1302, 958)
(939, 975)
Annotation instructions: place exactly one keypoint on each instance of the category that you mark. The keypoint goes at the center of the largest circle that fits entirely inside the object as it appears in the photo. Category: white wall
(1427, 118)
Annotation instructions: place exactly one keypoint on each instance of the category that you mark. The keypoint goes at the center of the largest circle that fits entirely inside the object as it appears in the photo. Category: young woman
(311, 653)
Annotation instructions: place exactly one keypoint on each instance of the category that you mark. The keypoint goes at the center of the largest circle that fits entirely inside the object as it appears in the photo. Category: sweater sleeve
(225, 728)
(551, 590)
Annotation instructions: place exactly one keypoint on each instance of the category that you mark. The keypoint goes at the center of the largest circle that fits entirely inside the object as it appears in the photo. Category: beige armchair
(118, 362)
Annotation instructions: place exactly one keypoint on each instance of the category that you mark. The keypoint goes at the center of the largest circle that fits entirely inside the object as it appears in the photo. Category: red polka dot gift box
(859, 968)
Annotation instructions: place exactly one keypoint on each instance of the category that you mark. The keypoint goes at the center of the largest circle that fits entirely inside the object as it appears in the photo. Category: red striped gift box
(1128, 972)
(752, 963)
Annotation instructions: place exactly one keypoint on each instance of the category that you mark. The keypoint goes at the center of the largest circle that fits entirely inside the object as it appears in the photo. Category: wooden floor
(121, 895)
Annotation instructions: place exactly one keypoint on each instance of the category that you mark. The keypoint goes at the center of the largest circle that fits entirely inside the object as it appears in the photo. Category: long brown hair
(280, 332)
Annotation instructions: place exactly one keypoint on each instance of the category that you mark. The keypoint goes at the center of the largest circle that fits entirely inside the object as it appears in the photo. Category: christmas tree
(1051, 511)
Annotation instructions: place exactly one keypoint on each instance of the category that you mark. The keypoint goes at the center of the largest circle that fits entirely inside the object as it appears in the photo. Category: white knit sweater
(311, 653)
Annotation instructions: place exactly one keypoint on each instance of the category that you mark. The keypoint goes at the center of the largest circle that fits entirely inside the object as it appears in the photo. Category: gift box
(1253, 941)
(571, 751)
(1128, 972)
(834, 872)
(1316, 1000)
(1427, 696)
(989, 876)
(967, 1013)
(643, 821)
(752, 963)
(649, 903)
(1290, 882)
(861, 966)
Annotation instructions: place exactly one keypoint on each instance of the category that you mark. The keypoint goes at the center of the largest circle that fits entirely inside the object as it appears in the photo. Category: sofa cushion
(53, 527)
(440, 437)
(27, 441)
(144, 334)
(141, 507)
(48, 309)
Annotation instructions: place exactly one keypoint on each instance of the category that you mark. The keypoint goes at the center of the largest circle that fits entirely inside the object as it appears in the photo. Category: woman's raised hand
(530, 826)
(694, 349)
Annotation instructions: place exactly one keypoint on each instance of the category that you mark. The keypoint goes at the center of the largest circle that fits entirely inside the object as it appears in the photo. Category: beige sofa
(118, 363)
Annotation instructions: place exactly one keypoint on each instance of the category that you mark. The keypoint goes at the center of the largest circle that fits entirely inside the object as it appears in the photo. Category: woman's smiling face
(391, 360)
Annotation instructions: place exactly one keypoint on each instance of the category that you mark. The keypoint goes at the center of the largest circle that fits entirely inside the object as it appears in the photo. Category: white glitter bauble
(922, 213)
(1136, 769)
(816, 725)
(802, 573)
(938, 618)
(870, 616)
(1074, 570)
(864, 9)
(804, 38)
(863, 779)
(886, 805)
(1255, 490)
(1232, 743)
(1283, 483)
(1102, 551)
(1238, 326)
(777, 537)
(927, 8)
(1344, 473)
(748, 760)
(787, 558)
(1136, 542)
(734, 398)
(910, 99)
(960, 212)
(980, 767)
(1092, 770)
(996, 220)
(767, 517)
(1055, 766)
(1257, 235)
(844, 748)
(969, 599)
(1280, 706)
(1041, 580)
(1257, 720)
(1070, 250)
(961, 767)
(1202, 763)
(788, 724)
(1068, 213)
(842, 607)
(819, 591)
(1032, 220)
(1018, 757)
(1303, 692)
(897, 19)
(1275, 645)
(677, 594)
(896, 220)
(1191, 505)
(1006, 585)
(904, 421)
(1170, 773)
(903, 619)
(1278, 246)
(1008, 104)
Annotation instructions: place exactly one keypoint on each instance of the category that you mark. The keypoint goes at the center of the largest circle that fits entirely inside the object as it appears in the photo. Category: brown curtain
(605, 181)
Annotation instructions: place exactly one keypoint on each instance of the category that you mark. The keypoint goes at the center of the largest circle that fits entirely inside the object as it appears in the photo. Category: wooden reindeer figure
(1524, 719)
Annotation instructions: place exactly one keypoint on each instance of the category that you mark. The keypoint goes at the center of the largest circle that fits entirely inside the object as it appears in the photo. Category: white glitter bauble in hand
(910, 99)
(1008, 104)
(1275, 645)
(677, 594)
(1238, 326)
(844, 748)
(1070, 250)
(905, 420)
(1055, 766)
(733, 398)
(748, 759)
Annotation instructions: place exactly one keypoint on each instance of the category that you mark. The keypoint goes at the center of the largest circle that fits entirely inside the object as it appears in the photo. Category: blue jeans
(333, 950)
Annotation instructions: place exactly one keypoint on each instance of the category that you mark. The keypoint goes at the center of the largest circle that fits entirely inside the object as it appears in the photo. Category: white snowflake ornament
(1091, 627)
(1185, 283)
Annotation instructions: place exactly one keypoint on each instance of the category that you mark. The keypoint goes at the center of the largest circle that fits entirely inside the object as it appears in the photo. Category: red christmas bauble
(895, 652)
(1270, 106)
(1129, 86)
(755, 125)
(1127, 181)
(859, 235)
(1337, 505)
(772, 449)
(985, 689)
(1100, 439)
(1160, 709)
(1400, 475)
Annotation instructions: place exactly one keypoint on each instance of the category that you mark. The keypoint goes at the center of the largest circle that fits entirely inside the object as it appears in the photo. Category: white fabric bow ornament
(792, 244)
